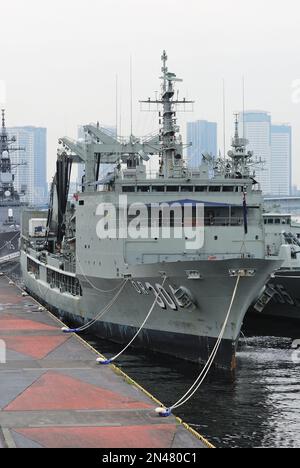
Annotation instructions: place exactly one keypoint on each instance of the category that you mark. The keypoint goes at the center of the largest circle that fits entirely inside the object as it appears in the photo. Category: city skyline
(203, 136)
(212, 129)
(91, 58)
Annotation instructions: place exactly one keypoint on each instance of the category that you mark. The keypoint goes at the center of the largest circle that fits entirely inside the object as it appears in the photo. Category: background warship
(10, 203)
(115, 281)
(281, 297)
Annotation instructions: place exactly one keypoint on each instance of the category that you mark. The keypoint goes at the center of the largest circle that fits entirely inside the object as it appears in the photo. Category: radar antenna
(171, 154)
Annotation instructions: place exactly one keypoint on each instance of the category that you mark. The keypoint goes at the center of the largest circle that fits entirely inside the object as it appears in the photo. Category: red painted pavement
(54, 391)
(157, 436)
(37, 347)
(12, 322)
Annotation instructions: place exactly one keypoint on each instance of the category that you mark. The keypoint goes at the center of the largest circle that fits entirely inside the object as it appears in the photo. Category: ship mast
(171, 155)
(7, 191)
(5, 164)
(241, 158)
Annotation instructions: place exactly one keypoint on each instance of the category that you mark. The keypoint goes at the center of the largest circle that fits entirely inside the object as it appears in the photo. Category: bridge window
(158, 188)
(201, 188)
(187, 188)
(174, 188)
(128, 189)
(144, 189)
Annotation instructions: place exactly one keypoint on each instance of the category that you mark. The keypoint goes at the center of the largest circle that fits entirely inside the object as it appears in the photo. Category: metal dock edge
(54, 395)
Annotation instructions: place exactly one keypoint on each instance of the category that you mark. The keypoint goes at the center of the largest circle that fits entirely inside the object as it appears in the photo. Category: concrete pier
(54, 395)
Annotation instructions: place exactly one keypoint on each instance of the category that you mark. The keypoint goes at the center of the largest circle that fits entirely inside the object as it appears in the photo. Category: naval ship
(10, 202)
(281, 298)
(112, 281)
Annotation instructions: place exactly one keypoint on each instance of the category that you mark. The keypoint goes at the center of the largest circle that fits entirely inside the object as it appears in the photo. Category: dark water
(259, 408)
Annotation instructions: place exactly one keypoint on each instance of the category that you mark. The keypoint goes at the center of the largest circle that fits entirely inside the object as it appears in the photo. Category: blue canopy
(197, 202)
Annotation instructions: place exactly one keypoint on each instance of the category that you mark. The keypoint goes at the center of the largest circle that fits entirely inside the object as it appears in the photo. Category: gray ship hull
(186, 333)
(9, 235)
(285, 303)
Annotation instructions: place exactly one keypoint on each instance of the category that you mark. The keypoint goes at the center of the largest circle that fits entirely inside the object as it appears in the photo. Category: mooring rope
(91, 284)
(111, 360)
(165, 412)
(7, 243)
(99, 315)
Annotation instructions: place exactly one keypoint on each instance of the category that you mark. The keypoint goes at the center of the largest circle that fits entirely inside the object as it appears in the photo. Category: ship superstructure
(77, 270)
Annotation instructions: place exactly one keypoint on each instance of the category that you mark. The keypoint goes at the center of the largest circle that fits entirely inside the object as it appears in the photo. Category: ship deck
(54, 395)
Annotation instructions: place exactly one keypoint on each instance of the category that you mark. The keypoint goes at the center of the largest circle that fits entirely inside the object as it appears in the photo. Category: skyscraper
(281, 168)
(256, 128)
(272, 144)
(203, 136)
(31, 177)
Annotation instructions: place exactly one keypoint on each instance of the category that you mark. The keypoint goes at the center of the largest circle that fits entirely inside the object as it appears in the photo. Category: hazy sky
(59, 60)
